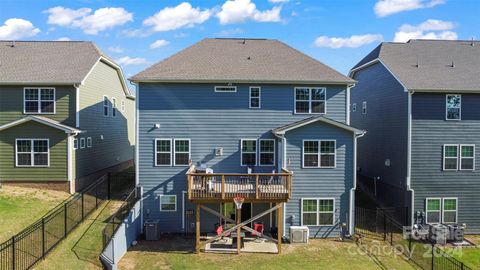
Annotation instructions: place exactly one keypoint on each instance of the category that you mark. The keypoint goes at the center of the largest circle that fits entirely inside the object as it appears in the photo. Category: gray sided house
(245, 117)
(420, 103)
(66, 114)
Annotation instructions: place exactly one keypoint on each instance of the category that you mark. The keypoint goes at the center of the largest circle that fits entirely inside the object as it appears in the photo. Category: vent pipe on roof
(472, 43)
(418, 64)
(453, 64)
(13, 44)
(244, 41)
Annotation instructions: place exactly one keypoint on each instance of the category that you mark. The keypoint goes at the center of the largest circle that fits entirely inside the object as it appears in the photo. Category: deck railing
(252, 187)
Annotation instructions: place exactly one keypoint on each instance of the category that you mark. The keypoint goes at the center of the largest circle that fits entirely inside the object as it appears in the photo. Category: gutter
(241, 81)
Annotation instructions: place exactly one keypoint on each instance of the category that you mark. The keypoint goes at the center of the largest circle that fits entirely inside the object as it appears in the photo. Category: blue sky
(139, 33)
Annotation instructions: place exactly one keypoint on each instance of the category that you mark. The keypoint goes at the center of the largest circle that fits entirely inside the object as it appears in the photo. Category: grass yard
(177, 253)
(21, 206)
(470, 255)
(83, 245)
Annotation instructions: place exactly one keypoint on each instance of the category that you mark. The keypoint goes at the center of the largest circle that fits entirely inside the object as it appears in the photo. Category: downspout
(351, 221)
(136, 156)
(77, 105)
(409, 156)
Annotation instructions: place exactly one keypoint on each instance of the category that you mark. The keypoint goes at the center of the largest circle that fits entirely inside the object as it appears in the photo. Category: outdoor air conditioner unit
(299, 234)
(152, 230)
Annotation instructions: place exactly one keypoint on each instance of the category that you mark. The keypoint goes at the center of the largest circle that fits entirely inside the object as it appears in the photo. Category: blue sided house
(252, 119)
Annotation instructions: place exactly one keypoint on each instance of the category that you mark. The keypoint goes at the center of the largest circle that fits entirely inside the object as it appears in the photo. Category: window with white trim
(364, 107)
(458, 157)
(433, 210)
(182, 152)
(453, 107)
(32, 152)
(318, 212)
(267, 152)
(89, 142)
(82, 143)
(248, 152)
(449, 210)
(163, 152)
(450, 157)
(106, 106)
(354, 107)
(75, 144)
(226, 89)
(168, 203)
(254, 101)
(122, 104)
(39, 100)
(467, 157)
(114, 107)
(319, 153)
(310, 100)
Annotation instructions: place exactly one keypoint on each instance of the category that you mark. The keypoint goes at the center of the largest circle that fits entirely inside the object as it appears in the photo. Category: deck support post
(239, 229)
(197, 228)
(279, 227)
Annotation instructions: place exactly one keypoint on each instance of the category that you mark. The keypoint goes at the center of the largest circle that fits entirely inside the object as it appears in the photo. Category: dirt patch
(32, 193)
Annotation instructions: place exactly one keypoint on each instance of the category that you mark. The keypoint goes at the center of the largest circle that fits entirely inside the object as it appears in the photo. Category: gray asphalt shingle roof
(46, 61)
(241, 60)
(434, 58)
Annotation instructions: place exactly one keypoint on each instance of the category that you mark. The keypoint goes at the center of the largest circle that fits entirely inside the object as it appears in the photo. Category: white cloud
(429, 29)
(115, 49)
(278, 1)
(15, 28)
(159, 43)
(238, 11)
(354, 41)
(127, 60)
(63, 39)
(388, 7)
(171, 18)
(91, 23)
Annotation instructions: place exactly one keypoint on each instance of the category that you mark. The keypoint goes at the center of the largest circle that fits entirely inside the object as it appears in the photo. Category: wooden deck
(223, 187)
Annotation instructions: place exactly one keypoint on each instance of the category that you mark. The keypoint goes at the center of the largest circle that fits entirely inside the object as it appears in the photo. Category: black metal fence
(377, 225)
(117, 218)
(29, 246)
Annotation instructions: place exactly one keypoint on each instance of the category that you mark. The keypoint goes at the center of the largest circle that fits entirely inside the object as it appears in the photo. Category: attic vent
(226, 89)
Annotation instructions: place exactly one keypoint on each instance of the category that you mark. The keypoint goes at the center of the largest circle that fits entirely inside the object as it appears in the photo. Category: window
(450, 157)
(458, 157)
(453, 107)
(433, 210)
(39, 100)
(310, 100)
(226, 89)
(364, 107)
(254, 97)
(327, 154)
(75, 144)
(319, 154)
(182, 152)
(114, 107)
(82, 143)
(354, 107)
(32, 153)
(310, 154)
(267, 152)
(467, 157)
(168, 203)
(123, 105)
(163, 152)
(105, 106)
(449, 210)
(249, 152)
(89, 142)
(318, 212)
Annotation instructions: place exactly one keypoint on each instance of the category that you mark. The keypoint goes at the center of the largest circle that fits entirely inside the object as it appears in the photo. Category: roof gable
(42, 120)
(307, 121)
(241, 60)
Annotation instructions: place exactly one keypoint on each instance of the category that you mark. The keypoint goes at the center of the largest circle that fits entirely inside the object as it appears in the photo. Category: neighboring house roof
(50, 62)
(429, 65)
(42, 120)
(281, 130)
(241, 60)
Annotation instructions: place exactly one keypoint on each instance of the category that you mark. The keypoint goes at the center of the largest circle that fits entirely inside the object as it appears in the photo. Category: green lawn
(318, 254)
(469, 256)
(20, 207)
(83, 245)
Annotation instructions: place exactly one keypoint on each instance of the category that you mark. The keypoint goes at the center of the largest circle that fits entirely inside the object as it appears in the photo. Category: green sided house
(66, 114)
